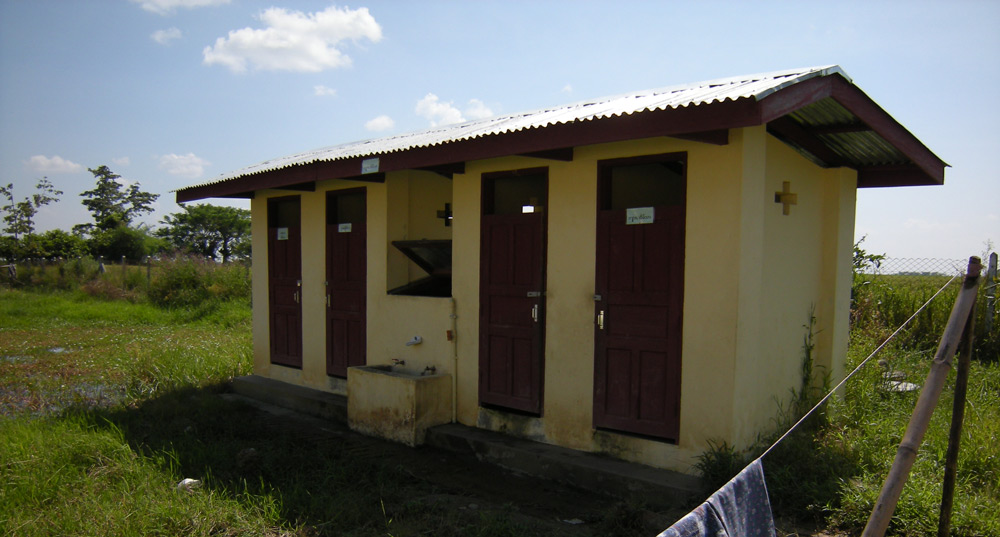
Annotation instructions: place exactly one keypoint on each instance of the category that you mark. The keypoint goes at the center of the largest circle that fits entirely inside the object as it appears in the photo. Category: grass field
(105, 405)
(108, 405)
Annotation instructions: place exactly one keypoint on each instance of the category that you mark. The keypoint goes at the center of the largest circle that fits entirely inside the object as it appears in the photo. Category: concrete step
(612, 477)
(588, 471)
(298, 398)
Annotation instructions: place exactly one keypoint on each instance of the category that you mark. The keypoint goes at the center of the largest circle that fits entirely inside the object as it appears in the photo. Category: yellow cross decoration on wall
(786, 198)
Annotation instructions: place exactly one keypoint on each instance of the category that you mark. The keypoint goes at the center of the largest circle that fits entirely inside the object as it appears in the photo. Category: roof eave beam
(894, 176)
(788, 129)
(858, 103)
(714, 137)
(447, 170)
(564, 154)
(309, 186)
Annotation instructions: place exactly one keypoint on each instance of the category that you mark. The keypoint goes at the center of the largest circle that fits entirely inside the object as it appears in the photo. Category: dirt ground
(462, 484)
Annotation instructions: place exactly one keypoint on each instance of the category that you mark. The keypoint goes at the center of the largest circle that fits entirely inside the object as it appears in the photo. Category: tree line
(219, 233)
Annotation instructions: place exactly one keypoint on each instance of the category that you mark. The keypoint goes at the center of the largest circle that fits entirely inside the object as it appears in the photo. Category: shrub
(180, 282)
(105, 289)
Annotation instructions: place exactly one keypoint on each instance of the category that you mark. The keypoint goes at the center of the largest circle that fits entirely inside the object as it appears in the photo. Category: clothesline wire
(856, 369)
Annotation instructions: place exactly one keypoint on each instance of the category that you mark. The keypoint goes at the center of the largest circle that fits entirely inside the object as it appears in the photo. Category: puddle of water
(57, 350)
(17, 359)
(89, 394)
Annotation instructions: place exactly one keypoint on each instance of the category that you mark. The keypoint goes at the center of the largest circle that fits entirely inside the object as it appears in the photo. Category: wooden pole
(957, 417)
(991, 294)
(907, 451)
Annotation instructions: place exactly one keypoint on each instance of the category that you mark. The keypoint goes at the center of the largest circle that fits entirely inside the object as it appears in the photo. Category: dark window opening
(516, 194)
(345, 208)
(434, 256)
(644, 184)
(283, 212)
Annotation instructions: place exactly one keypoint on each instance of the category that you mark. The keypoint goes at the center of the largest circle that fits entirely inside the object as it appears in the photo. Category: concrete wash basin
(393, 403)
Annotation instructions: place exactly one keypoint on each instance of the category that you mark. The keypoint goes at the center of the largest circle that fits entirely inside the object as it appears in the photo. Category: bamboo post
(957, 417)
(921, 417)
(991, 294)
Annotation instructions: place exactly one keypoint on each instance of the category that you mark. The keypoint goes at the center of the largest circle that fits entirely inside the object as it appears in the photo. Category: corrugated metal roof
(748, 86)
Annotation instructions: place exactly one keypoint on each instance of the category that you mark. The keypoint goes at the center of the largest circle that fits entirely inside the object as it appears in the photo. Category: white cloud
(323, 91)
(121, 161)
(164, 37)
(166, 7)
(184, 165)
(437, 112)
(477, 110)
(568, 88)
(441, 113)
(294, 41)
(381, 123)
(55, 164)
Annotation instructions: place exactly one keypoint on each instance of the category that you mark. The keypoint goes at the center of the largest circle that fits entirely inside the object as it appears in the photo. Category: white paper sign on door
(282, 233)
(639, 215)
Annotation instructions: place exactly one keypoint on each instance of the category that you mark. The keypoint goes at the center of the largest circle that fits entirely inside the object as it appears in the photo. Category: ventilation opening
(434, 256)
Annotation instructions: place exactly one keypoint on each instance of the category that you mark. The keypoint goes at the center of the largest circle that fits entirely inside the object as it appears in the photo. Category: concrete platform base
(298, 398)
(579, 469)
(595, 473)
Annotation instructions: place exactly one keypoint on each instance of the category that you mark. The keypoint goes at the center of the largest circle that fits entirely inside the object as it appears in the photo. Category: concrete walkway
(587, 471)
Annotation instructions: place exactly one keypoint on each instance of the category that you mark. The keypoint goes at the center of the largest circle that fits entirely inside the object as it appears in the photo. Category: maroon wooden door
(512, 292)
(346, 281)
(639, 298)
(284, 275)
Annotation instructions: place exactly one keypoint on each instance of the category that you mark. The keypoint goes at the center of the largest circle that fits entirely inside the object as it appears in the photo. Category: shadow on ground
(331, 481)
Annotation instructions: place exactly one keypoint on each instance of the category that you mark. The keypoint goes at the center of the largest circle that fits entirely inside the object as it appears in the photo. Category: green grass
(831, 471)
(106, 405)
(95, 437)
(69, 477)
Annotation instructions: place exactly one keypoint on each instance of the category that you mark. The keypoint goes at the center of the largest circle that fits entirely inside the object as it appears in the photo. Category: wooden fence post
(991, 294)
(124, 274)
(149, 273)
(957, 417)
(906, 454)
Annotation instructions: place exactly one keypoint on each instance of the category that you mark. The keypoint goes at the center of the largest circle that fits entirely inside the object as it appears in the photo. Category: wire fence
(916, 266)
(887, 288)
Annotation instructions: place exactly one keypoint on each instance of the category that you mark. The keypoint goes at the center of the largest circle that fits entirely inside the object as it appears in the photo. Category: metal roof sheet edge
(717, 90)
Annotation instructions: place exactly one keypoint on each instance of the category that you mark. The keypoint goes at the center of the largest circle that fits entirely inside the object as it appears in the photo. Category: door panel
(640, 287)
(284, 260)
(512, 282)
(346, 283)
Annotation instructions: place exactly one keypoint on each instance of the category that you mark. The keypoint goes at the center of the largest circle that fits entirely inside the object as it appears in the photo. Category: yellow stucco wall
(751, 276)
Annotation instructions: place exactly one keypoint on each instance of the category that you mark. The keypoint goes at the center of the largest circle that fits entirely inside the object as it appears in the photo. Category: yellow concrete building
(631, 276)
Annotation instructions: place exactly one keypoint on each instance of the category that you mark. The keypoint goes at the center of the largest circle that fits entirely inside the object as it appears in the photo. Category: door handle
(534, 313)
(600, 320)
(295, 297)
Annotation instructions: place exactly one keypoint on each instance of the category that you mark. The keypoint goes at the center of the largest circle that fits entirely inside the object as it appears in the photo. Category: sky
(170, 93)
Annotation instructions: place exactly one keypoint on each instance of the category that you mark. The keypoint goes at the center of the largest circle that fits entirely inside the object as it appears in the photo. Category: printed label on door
(639, 215)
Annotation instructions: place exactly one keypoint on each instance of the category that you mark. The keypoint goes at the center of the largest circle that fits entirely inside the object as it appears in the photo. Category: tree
(56, 243)
(208, 230)
(112, 204)
(19, 216)
(132, 243)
